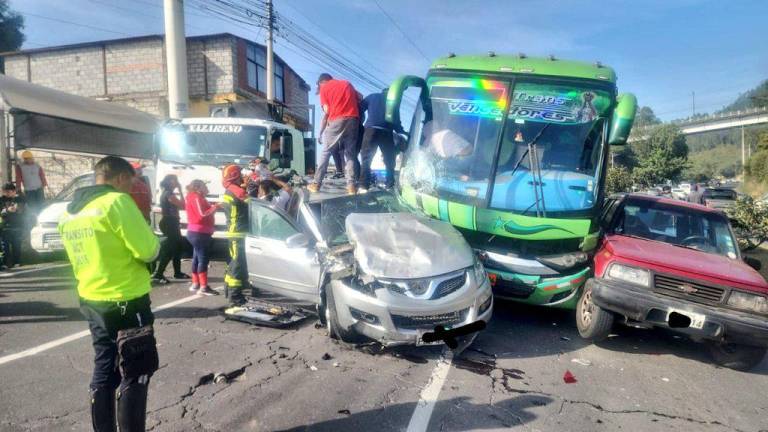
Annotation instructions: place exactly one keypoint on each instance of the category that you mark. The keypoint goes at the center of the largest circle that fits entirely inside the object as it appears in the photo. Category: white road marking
(11, 274)
(429, 395)
(73, 337)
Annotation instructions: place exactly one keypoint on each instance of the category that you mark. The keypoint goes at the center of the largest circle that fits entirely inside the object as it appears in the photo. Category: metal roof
(21, 96)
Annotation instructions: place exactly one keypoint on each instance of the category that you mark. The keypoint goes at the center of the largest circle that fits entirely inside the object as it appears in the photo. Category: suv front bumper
(643, 305)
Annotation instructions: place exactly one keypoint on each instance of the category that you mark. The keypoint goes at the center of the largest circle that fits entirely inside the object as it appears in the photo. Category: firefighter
(235, 205)
(108, 243)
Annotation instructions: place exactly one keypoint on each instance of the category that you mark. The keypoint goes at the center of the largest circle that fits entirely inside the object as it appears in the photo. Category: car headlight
(478, 270)
(748, 302)
(563, 261)
(629, 274)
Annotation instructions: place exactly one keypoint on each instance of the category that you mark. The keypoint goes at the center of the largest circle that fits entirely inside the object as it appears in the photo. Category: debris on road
(565, 338)
(336, 364)
(312, 367)
(326, 356)
(569, 378)
(258, 312)
(583, 362)
(345, 412)
(665, 379)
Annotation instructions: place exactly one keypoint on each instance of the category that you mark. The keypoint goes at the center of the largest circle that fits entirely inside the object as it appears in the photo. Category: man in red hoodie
(235, 205)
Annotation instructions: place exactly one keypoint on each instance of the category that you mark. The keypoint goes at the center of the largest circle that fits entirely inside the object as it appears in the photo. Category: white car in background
(45, 237)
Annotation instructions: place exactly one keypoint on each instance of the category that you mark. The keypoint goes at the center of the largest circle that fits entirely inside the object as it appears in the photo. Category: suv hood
(406, 246)
(52, 213)
(717, 268)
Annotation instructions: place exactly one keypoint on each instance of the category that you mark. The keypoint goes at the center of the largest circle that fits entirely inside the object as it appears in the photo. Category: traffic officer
(108, 244)
(235, 205)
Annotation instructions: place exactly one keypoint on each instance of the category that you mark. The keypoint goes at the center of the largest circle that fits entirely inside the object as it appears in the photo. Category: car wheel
(335, 330)
(594, 323)
(736, 356)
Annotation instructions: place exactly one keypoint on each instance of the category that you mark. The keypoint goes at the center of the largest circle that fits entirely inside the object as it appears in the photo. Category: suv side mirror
(753, 262)
(298, 240)
(623, 118)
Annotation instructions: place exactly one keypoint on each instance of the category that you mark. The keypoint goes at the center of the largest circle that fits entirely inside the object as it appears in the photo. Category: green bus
(513, 152)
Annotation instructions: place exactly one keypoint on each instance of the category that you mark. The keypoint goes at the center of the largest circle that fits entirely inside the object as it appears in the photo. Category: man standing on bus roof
(235, 205)
(339, 128)
(108, 243)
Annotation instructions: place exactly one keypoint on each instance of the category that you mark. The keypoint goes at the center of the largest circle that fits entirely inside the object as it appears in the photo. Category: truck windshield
(548, 144)
(212, 143)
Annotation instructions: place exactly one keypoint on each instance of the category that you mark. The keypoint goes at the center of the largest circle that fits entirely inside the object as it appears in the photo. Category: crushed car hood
(406, 246)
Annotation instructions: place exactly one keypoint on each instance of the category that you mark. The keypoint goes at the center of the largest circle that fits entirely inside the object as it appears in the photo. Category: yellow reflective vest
(108, 243)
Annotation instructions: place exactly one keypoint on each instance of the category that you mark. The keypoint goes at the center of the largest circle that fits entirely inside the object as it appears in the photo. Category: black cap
(9, 186)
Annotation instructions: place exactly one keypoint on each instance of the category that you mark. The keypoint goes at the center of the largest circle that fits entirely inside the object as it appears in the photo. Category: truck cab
(198, 148)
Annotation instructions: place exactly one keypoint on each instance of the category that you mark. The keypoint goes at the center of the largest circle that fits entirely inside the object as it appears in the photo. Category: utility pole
(743, 154)
(176, 58)
(693, 104)
(270, 59)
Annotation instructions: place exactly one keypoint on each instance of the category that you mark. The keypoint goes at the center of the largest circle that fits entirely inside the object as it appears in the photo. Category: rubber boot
(103, 409)
(132, 407)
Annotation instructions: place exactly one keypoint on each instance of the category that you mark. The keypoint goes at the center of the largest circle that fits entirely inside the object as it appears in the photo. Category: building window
(257, 72)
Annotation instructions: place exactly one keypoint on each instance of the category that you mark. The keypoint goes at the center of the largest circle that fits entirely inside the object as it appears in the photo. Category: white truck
(198, 148)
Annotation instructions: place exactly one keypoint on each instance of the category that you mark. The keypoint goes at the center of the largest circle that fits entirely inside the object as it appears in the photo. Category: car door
(278, 259)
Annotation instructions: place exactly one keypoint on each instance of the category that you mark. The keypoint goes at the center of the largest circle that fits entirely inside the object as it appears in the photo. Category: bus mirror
(623, 117)
(395, 97)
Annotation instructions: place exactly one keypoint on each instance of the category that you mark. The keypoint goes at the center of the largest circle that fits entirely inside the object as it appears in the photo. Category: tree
(662, 155)
(750, 222)
(618, 179)
(11, 26)
(645, 117)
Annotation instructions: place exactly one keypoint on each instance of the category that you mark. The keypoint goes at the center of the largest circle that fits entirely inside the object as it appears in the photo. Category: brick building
(222, 69)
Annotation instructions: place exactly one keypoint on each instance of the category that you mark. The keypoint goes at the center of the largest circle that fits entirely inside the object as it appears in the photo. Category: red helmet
(232, 174)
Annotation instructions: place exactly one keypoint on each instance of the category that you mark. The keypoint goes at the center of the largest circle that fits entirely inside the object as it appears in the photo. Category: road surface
(512, 377)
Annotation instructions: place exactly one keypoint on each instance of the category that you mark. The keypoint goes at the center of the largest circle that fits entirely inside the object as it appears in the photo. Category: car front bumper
(394, 319)
(642, 305)
(45, 240)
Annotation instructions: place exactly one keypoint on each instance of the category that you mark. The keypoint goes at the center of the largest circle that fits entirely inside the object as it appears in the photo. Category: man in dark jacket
(12, 211)
(377, 135)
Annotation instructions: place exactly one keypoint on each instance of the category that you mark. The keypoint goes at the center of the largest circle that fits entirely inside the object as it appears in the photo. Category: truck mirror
(395, 97)
(623, 118)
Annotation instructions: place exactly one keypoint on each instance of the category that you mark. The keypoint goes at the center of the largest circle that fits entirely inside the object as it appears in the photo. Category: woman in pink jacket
(200, 227)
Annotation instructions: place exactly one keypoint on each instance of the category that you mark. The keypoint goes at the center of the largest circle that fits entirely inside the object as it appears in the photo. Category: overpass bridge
(715, 122)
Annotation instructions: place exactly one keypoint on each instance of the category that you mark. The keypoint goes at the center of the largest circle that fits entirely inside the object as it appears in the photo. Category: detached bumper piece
(697, 320)
(257, 312)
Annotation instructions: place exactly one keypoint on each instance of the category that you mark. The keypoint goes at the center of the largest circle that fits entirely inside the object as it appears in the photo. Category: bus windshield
(212, 143)
(544, 151)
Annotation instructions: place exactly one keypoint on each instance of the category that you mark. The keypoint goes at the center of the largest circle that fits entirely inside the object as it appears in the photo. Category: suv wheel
(736, 356)
(594, 323)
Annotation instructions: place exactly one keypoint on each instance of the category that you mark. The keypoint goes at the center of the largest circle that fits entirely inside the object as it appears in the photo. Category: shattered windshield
(212, 143)
(334, 212)
(549, 144)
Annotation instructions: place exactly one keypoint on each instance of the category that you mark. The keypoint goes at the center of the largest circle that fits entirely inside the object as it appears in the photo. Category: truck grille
(687, 289)
(430, 321)
(448, 286)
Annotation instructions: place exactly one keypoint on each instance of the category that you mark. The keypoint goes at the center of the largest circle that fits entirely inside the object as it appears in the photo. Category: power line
(392, 20)
(74, 23)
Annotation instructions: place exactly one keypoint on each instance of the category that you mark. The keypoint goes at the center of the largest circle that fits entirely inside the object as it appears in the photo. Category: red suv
(673, 264)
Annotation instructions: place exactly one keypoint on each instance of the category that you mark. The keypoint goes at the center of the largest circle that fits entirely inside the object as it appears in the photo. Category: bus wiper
(533, 163)
(173, 162)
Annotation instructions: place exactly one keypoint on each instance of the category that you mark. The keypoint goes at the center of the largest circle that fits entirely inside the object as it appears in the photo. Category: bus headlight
(563, 261)
(632, 275)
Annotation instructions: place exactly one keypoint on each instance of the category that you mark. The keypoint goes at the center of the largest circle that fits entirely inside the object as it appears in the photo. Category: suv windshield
(212, 143)
(549, 144)
(677, 225)
(334, 212)
(68, 192)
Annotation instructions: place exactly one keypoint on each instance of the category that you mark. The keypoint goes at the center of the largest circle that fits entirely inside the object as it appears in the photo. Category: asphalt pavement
(297, 379)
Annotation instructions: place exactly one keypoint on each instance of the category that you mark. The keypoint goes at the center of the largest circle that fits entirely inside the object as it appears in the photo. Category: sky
(663, 51)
